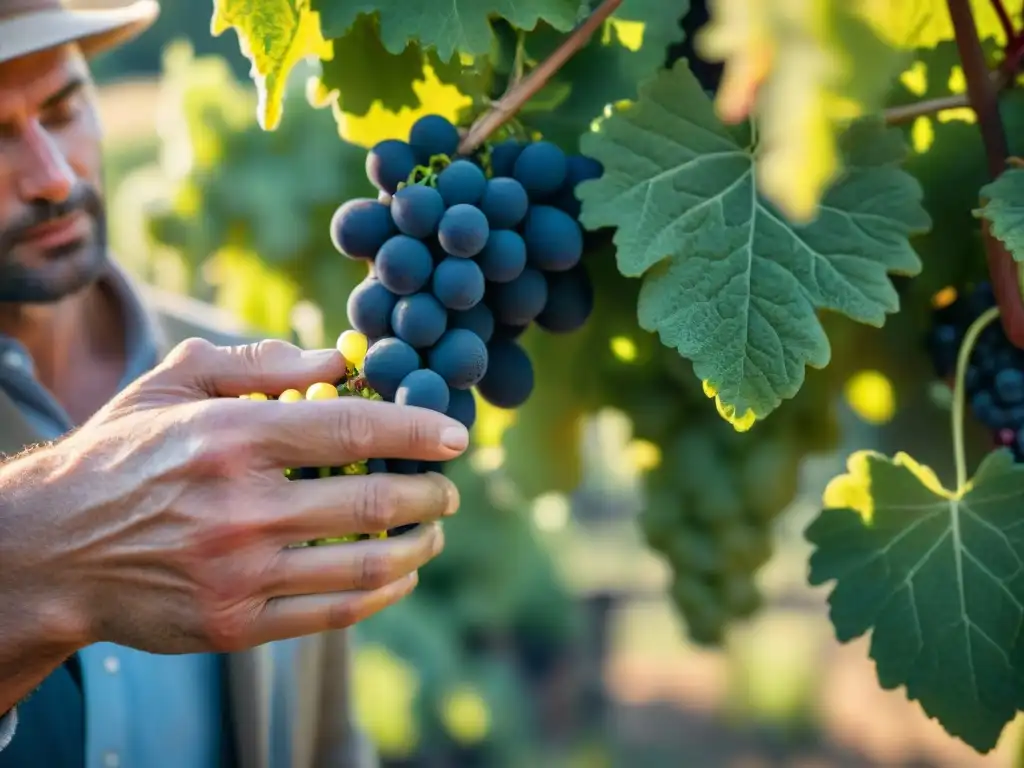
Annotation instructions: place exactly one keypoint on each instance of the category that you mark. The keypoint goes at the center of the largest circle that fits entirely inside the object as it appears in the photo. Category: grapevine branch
(1002, 79)
(1004, 18)
(906, 113)
(507, 106)
(984, 100)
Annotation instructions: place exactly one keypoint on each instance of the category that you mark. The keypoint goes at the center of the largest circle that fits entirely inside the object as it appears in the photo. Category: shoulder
(180, 317)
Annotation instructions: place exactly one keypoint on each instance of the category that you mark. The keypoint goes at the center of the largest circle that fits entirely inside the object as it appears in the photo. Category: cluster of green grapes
(352, 346)
(715, 494)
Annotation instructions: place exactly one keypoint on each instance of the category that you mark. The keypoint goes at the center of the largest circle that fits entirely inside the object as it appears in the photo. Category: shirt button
(111, 664)
(11, 359)
(111, 760)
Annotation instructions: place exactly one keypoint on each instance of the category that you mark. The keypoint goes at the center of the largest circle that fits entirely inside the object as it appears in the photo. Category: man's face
(52, 220)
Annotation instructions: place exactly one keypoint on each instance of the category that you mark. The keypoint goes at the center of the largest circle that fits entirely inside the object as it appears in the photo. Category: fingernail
(452, 505)
(455, 438)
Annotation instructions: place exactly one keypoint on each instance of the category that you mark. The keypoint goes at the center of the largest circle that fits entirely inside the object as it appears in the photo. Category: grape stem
(508, 105)
(959, 395)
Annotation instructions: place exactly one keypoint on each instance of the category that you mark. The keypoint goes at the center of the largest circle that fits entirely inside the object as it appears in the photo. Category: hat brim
(95, 31)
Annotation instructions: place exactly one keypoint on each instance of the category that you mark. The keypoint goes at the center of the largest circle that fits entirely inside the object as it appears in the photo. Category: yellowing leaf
(361, 71)
(925, 23)
(803, 69)
(253, 290)
(274, 35)
(380, 123)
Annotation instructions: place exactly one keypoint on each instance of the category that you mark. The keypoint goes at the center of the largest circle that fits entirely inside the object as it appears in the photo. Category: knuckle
(233, 533)
(344, 613)
(227, 631)
(257, 357)
(189, 353)
(353, 426)
(215, 453)
(376, 505)
(421, 432)
(216, 436)
(375, 571)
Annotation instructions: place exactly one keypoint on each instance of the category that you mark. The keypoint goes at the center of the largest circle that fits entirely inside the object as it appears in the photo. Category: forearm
(39, 628)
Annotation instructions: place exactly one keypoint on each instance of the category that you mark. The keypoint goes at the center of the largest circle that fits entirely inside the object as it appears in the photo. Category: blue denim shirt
(141, 710)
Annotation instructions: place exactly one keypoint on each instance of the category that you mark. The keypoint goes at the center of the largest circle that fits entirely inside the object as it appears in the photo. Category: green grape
(654, 412)
(719, 505)
(693, 593)
(694, 462)
(705, 615)
(694, 551)
(744, 547)
(739, 594)
(660, 518)
(351, 386)
(339, 540)
(768, 478)
(707, 628)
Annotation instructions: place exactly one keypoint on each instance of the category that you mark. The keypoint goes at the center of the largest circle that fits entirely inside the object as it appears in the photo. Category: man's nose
(46, 174)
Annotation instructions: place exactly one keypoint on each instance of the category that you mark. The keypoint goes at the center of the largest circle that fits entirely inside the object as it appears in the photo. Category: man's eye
(60, 114)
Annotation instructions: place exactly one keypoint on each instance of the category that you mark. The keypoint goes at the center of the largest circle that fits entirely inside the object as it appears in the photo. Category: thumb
(270, 366)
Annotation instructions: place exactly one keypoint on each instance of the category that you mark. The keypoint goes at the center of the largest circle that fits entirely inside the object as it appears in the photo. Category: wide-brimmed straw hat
(28, 26)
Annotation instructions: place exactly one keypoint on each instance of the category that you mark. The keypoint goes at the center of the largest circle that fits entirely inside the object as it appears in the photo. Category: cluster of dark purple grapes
(994, 382)
(464, 253)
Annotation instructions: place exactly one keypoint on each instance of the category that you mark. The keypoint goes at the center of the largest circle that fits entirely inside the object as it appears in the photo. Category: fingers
(270, 366)
(332, 507)
(330, 433)
(363, 565)
(286, 617)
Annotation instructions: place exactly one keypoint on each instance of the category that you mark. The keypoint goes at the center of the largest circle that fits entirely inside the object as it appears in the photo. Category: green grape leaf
(608, 68)
(361, 71)
(463, 26)
(1003, 207)
(274, 35)
(728, 281)
(660, 29)
(938, 577)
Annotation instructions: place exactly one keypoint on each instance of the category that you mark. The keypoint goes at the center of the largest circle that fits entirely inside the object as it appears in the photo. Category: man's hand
(165, 522)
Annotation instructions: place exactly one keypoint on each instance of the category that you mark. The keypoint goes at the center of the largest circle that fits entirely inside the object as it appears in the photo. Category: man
(145, 524)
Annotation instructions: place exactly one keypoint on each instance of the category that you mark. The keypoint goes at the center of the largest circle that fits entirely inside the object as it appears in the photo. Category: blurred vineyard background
(543, 636)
